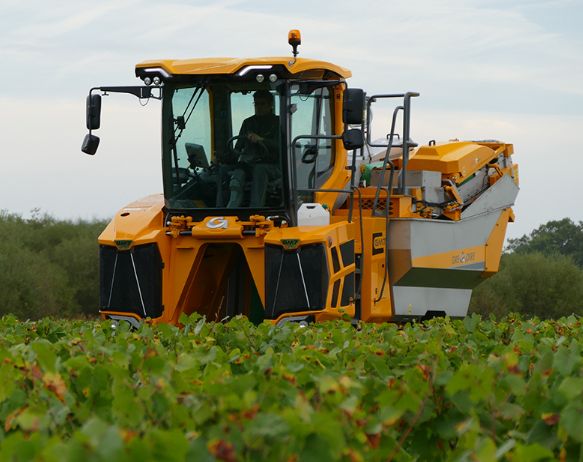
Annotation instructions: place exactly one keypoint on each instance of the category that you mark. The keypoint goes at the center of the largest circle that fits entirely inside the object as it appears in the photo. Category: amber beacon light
(294, 38)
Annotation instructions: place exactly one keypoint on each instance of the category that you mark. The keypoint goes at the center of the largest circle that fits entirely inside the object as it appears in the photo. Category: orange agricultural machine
(278, 205)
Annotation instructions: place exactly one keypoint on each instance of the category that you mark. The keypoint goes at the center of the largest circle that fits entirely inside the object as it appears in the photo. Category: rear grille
(295, 280)
(131, 280)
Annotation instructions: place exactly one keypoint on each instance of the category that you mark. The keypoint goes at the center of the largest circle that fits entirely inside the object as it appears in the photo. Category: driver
(258, 148)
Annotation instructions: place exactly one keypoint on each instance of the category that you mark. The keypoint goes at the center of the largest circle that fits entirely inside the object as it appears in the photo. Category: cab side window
(197, 122)
(314, 159)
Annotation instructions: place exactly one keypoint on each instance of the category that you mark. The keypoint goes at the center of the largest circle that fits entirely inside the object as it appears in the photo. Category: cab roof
(204, 66)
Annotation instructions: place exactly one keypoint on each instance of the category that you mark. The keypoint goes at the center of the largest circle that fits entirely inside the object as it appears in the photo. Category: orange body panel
(203, 66)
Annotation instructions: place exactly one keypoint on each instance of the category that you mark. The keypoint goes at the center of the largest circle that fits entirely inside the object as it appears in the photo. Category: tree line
(541, 274)
(50, 267)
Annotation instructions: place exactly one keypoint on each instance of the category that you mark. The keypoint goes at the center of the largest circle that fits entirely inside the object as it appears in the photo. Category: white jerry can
(313, 215)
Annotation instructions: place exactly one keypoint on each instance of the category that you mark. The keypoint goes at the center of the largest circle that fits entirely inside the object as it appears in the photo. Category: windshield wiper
(182, 121)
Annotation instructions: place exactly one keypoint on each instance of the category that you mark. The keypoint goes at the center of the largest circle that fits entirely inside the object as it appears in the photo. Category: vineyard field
(467, 390)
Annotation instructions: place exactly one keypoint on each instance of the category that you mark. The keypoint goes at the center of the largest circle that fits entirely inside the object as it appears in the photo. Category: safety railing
(406, 144)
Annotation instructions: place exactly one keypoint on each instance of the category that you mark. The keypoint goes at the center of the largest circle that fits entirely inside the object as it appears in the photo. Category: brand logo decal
(463, 258)
(378, 243)
(217, 223)
(123, 244)
(290, 244)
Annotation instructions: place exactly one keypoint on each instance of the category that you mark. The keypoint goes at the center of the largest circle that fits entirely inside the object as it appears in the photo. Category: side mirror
(353, 106)
(90, 144)
(352, 139)
(93, 112)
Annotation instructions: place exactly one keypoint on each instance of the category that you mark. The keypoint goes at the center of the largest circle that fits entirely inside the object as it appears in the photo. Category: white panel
(501, 195)
(416, 301)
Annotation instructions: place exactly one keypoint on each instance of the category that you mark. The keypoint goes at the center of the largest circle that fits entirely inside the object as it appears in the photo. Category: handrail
(406, 143)
(387, 160)
(295, 189)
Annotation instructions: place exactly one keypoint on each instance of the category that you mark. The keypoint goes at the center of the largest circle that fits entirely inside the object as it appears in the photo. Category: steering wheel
(230, 156)
(231, 147)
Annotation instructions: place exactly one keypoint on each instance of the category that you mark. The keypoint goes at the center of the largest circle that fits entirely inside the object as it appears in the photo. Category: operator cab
(209, 159)
(226, 142)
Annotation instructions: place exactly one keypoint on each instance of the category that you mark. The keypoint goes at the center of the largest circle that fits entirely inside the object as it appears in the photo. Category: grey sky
(485, 69)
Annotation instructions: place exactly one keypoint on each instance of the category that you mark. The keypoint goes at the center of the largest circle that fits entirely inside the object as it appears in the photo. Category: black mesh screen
(335, 262)
(335, 290)
(131, 281)
(347, 290)
(347, 251)
(295, 280)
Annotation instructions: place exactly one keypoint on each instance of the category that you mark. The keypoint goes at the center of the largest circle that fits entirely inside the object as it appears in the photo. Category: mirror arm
(140, 92)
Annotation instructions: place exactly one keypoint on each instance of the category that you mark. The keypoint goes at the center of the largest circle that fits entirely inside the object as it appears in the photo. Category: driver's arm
(271, 142)
(240, 144)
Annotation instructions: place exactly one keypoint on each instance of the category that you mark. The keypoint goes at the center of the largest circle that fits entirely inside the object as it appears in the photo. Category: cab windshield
(223, 146)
